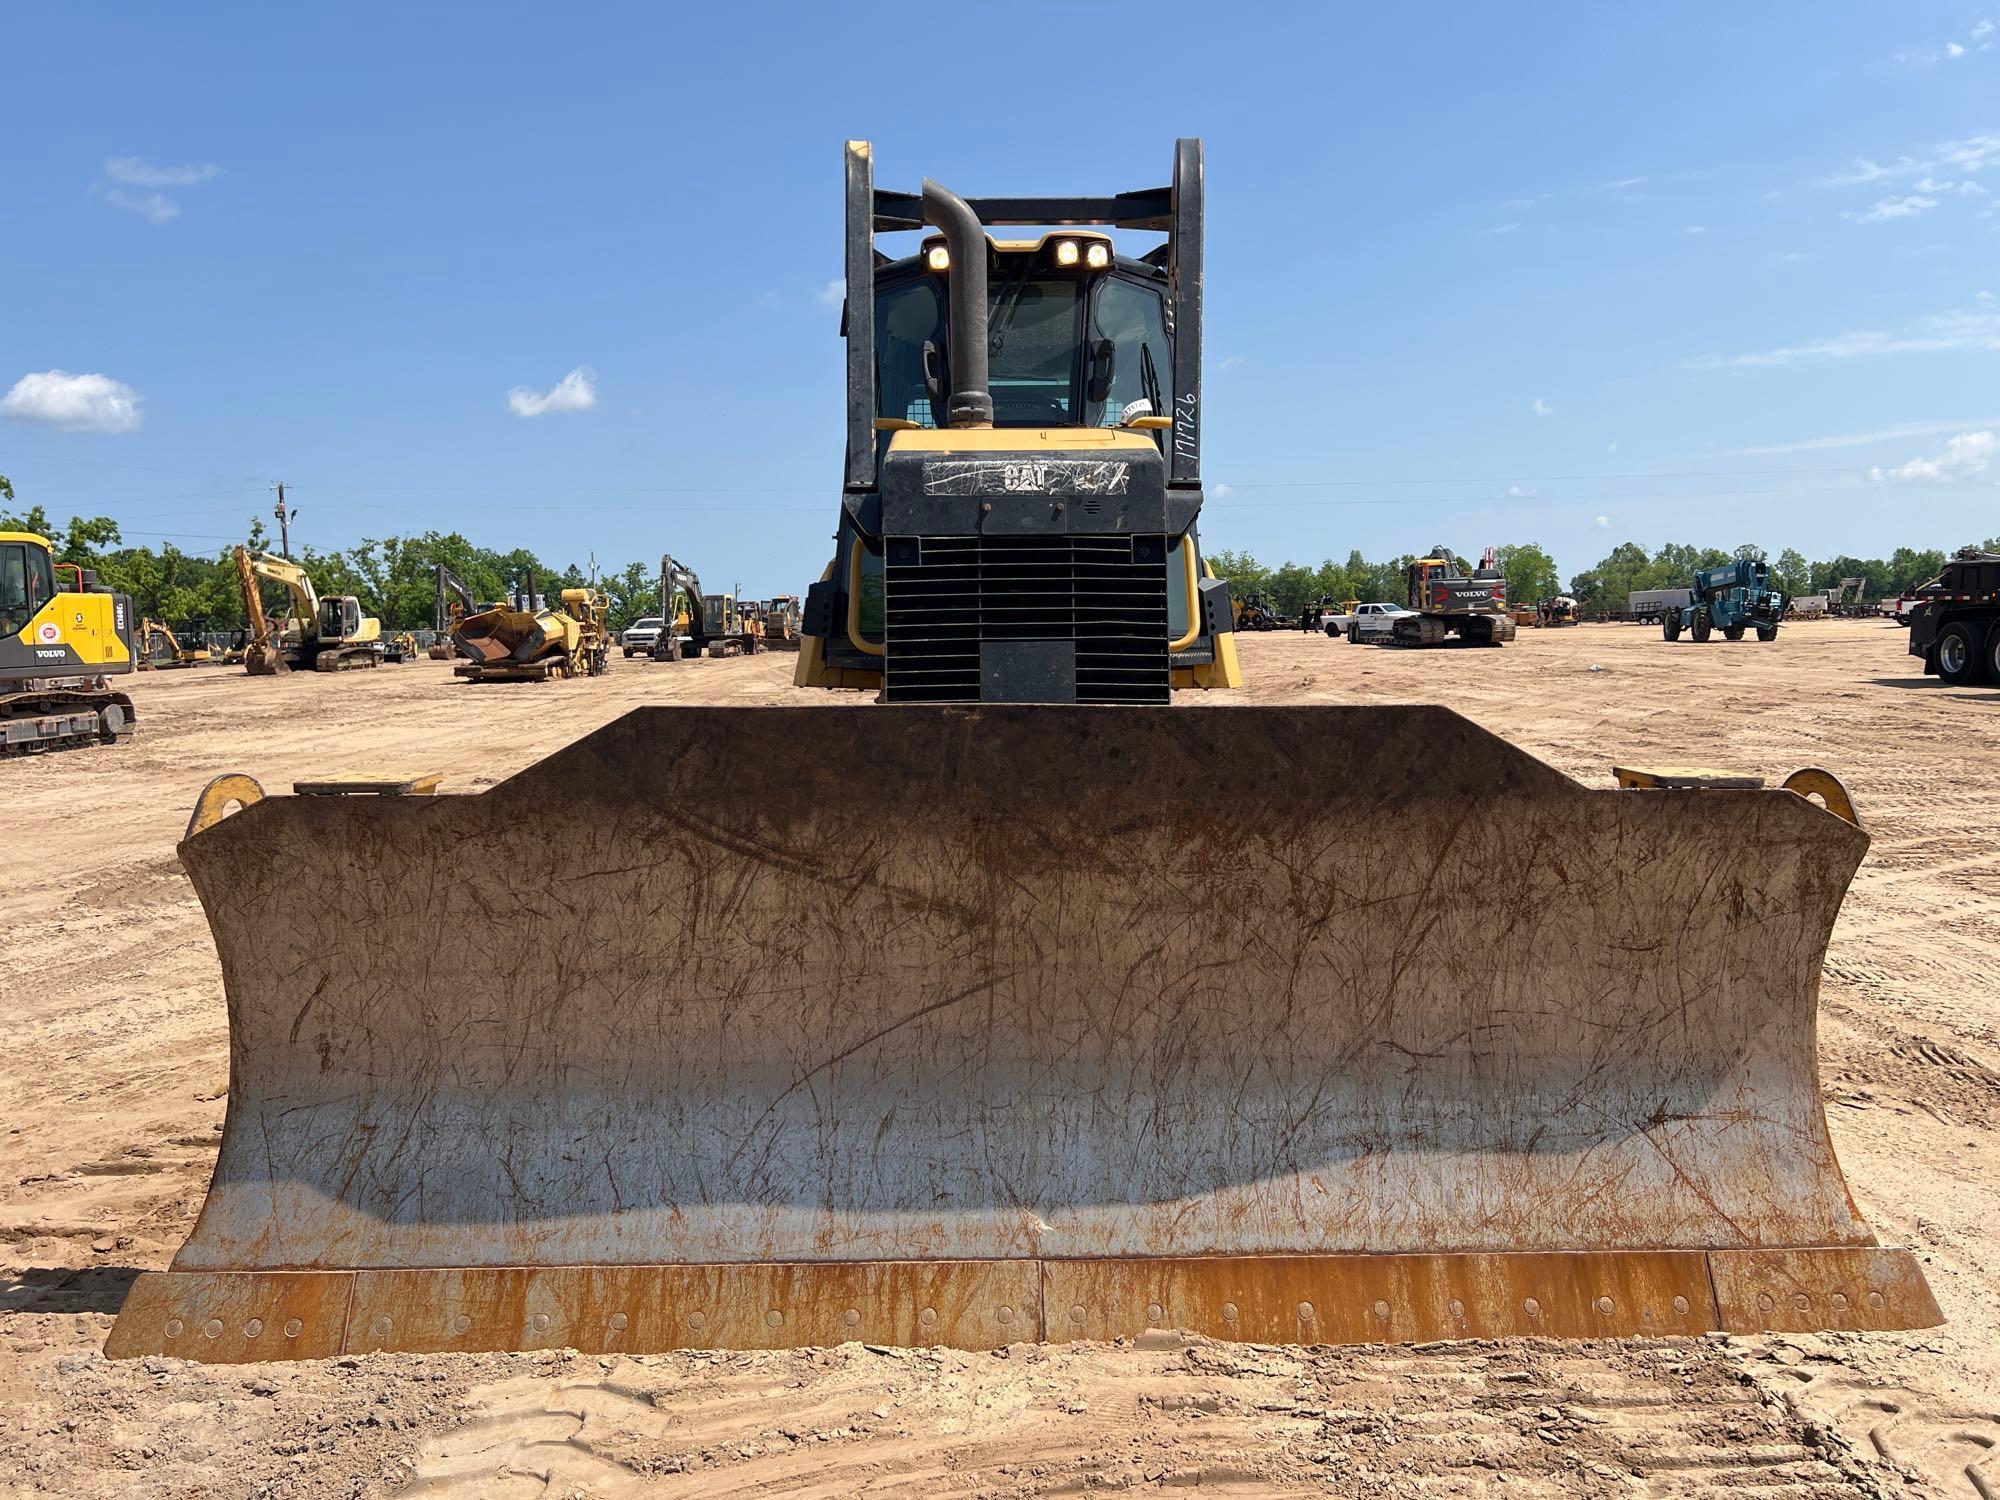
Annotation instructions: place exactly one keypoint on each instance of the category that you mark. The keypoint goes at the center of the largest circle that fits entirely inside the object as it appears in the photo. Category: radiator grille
(945, 596)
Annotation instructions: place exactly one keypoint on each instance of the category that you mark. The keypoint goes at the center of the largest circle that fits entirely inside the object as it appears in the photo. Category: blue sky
(1573, 274)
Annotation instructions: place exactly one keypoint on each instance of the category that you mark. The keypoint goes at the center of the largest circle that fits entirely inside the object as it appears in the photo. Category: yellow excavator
(159, 648)
(60, 646)
(1026, 1006)
(321, 634)
(525, 640)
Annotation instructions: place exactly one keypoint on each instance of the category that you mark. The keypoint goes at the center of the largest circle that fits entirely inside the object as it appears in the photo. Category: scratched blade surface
(726, 985)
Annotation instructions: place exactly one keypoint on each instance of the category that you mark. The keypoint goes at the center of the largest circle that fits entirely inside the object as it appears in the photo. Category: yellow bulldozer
(1019, 1009)
(527, 640)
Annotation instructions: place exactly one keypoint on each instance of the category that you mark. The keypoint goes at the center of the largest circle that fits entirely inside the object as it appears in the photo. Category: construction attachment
(1004, 1023)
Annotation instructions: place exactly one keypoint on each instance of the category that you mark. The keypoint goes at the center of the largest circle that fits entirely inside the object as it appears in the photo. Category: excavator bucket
(972, 1026)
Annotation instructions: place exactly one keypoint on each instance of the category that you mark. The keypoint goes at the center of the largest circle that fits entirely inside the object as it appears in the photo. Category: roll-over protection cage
(1174, 210)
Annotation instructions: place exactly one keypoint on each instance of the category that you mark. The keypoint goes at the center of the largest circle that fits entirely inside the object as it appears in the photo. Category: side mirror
(934, 381)
(1103, 364)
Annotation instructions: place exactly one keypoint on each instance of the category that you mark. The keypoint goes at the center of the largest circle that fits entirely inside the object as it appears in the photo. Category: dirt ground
(115, 1074)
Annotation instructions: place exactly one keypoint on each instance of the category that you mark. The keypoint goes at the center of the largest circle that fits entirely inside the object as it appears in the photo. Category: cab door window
(24, 587)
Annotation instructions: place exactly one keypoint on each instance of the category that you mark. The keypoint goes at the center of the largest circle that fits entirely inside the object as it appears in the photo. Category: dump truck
(527, 640)
(1733, 598)
(1448, 597)
(322, 633)
(1955, 622)
(1024, 1005)
(62, 640)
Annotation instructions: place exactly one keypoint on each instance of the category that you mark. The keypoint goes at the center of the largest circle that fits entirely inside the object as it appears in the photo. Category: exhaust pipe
(971, 402)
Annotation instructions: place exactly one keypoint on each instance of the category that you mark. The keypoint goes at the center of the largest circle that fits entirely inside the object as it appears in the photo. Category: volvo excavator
(322, 633)
(694, 623)
(1026, 1006)
(62, 640)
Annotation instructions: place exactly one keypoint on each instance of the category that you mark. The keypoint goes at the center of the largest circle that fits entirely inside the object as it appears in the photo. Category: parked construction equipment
(1449, 598)
(1023, 469)
(781, 617)
(1848, 599)
(1254, 612)
(698, 623)
(1955, 623)
(973, 1024)
(525, 640)
(452, 604)
(159, 648)
(1732, 598)
(60, 646)
(321, 634)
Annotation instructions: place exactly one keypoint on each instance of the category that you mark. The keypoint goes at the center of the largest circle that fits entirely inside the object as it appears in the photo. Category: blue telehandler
(1731, 598)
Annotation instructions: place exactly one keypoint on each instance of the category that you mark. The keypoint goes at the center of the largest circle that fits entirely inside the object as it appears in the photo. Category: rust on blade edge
(225, 1317)
(1814, 1290)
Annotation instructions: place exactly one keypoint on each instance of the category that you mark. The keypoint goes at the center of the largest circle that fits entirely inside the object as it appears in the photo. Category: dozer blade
(771, 1026)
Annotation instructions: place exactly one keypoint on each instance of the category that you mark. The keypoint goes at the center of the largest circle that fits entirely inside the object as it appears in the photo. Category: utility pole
(284, 523)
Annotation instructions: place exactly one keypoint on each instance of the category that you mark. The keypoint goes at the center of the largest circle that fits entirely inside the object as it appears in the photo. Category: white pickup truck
(1366, 623)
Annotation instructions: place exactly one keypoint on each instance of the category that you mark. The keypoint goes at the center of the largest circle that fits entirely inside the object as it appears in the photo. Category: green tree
(1792, 572)
(1531, 573)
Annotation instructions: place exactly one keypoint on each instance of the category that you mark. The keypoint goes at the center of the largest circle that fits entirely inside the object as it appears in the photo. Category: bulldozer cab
(1023, 467)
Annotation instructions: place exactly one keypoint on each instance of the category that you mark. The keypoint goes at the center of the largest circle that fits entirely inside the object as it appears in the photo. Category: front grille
(955, 607)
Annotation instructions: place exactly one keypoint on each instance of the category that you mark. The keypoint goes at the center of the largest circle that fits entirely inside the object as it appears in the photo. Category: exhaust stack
(971, 402)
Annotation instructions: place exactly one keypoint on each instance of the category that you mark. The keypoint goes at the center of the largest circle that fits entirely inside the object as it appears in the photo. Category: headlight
(1098, 256)
(938, 258)
(1067, 252)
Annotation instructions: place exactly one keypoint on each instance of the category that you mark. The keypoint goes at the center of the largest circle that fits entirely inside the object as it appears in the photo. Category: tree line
(1601, 591)
(395, 578)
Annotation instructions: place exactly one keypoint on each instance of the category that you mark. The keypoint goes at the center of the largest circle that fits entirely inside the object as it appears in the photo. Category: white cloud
(1965, 455)
(1502, 229)
(1613, 447)
(1952, 49)
(81, 403)
(1221, 491)
(156, 208)
(1541, 408)
(1694, 229)
(136, 173)
(1231, 363)
(1965, 189)
(1982, 29)
(833, 293)
(1892, 208)
(576, 391)
(1518, 492)
(1940, 334)
(1620, 184)
(1603, 523)
(1851, 439)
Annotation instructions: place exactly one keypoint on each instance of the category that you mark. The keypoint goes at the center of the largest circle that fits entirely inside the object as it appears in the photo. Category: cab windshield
(1037, 339)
